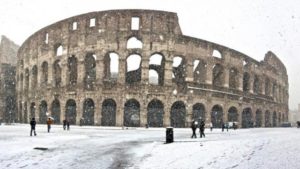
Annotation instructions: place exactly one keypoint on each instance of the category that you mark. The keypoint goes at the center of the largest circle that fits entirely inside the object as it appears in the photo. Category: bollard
(169, 135)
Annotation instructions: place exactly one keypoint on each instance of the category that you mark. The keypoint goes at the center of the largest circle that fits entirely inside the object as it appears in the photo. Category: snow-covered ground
(100, 147)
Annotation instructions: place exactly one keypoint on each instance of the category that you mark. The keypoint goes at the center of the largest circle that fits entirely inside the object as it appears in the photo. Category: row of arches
(155, 114)
(156, 74)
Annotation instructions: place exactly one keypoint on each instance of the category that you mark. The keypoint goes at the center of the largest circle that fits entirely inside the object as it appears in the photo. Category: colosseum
(135, 68)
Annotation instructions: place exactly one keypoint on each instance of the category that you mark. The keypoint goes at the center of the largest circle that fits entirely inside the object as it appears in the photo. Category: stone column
(226, 76)
(64, 72)
(209, 73)
(240, 76)
(99, 68)
(122, 69)
(145, 68)
(81, 73)
(189, 70)
(251, 81)
(168, 72)
(50, 74)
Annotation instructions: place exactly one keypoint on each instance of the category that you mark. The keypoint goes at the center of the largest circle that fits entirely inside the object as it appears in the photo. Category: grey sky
(252, 27)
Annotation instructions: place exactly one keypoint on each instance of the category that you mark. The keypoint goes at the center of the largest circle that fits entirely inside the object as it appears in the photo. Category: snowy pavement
(103, 147)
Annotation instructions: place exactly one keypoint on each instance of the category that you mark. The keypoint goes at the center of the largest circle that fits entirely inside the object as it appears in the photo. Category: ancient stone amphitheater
(136, 68)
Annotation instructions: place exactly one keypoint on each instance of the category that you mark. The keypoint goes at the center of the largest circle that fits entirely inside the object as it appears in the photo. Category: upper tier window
(135, 23)
(92, 22)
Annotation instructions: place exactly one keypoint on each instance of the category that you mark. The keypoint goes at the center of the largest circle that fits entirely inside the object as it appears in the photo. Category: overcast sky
(252, 27)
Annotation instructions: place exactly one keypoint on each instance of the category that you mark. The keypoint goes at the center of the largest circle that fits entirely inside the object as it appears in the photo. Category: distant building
(8, 61)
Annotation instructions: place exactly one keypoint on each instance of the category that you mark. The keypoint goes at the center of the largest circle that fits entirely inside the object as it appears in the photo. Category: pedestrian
(201, 128)
(32, 124)
(64, 124)
(211, 126)
(227, 126)
(49, 122)
(223, 127)
(68, 125)
(194, 128)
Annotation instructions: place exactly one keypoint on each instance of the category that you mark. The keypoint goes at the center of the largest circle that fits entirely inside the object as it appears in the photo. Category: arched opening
(259, 117)
(57, 73)
(109, 108)
(43, 112)
(58, 50)
(132, 113)
(200, 69)
(44, 78)
(256, 85)
(178, 113)
(71, 111)
(133, 69)
(32, 110)
(247, 121)
(10, 109)
(90, 71)
(34, 77)
(88, 112)
(217, 116)
(217, 54)
(218, 75)
(232, 114)
(199, 112)
(246, 82)
(274, 119)
(26, 80)
(156, 69)
(233, 78)
(155, 113)
(179, 70)
(267, 119)
(55, 111)
(72, 73)
(134, 42)
(267, 87)
(111, 65)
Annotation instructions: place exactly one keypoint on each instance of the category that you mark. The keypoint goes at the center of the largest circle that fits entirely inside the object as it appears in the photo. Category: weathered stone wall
(62, 70)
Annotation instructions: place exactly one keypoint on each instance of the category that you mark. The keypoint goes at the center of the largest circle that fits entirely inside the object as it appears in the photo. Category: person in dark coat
(194, 128)
(223, 127)
(202, 128)
(64, 124)
(32, 124)
(49, 122)
(68, 125)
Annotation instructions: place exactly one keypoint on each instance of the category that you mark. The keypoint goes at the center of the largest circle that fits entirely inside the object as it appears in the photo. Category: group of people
(201, 126)
(66, 125)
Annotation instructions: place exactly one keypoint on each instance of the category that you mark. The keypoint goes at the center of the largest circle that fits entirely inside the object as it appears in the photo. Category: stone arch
(34, 73)
(32, 110)
(274, 119)
(233, 78)
(267, 119)
(90, 71)
(57, 73)
(246, 82)
(178, 113)
(217, 116)
(256, 85)
(155, 113)
(26, 79)
(216, 53)
(132, 113)
(179, 69)
(247, 120)
(111, 65)
(44, 78)
(58, 49)
(157, 64)
(200, 70)
(56, 111)
(232, 114)
(72, 70)
(134, 42)
(88, 112)
(258, 118)
(218, 75)
(109, 108)
(10, 109)
(199, 112)
(71, 111)
(133, 69)
(43, 112)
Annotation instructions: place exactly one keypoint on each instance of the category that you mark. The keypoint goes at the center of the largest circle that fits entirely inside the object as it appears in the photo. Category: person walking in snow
(49, 122)
(194, 128)
(68, 125)
(32, 125)
(64, 124)
(223, 127)
(202, 128)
